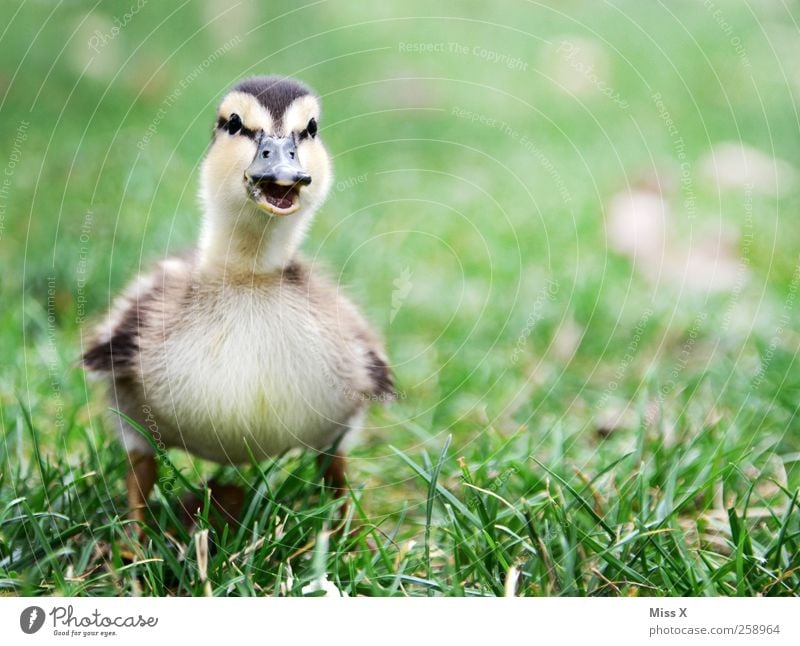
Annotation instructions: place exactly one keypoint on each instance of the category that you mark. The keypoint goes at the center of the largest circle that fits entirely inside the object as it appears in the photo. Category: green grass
(517, 330)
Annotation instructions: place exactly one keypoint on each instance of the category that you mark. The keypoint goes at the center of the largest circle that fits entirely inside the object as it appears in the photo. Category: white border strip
(353, 622)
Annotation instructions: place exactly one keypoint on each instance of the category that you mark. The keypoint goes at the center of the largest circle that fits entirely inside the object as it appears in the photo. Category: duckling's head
(266, 159)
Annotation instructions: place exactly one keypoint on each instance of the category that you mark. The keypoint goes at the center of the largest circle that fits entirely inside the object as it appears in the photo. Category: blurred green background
(572, 221)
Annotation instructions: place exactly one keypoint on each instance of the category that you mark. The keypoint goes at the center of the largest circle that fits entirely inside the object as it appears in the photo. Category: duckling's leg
(334, 474)
(140, 480)
(227, 503)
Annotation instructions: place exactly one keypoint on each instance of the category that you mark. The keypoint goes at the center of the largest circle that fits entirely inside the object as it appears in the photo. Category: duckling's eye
(310, 131)
(234, 124)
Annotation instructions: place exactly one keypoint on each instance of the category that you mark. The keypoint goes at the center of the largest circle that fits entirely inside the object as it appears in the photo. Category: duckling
(241, 347)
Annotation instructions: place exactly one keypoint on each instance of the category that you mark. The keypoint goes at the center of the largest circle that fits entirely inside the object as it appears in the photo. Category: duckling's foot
(227, 502)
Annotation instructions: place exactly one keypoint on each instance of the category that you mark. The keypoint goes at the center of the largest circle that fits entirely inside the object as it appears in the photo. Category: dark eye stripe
(311, 130)
(222, 123)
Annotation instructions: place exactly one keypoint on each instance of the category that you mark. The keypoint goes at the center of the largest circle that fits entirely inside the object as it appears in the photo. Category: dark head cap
(275, 93)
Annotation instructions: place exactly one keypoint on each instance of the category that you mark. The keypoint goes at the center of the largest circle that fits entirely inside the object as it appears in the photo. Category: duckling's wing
(371, 374)
(363, 361)
(380, 383)
(144, 304)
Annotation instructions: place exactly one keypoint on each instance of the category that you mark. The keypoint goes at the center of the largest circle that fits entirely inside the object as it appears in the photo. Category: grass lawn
(575, 226)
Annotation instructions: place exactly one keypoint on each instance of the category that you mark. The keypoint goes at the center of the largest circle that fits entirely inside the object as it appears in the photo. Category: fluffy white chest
(248, 368)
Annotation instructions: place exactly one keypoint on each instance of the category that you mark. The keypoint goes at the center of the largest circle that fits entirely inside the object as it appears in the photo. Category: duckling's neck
(250, 242)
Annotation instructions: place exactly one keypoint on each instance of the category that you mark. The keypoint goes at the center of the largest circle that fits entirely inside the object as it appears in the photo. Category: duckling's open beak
(274, 178)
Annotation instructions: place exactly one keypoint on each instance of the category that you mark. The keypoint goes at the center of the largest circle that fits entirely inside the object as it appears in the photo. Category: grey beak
(276, 162)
